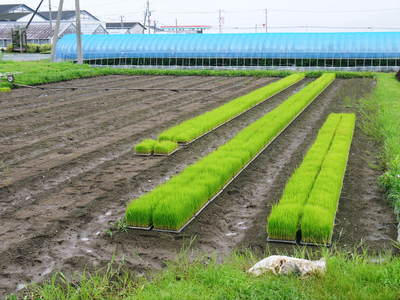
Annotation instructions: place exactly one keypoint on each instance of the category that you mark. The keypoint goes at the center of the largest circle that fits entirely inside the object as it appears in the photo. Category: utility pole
(50, 16)
(176, 25)
(155, 26)
(147, 15)
(266, 20)
(220, 20)
(122, 22)
(78, 33)
(56, 30)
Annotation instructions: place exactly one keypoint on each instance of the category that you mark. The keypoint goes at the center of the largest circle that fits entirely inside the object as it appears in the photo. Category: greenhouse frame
(378, 51)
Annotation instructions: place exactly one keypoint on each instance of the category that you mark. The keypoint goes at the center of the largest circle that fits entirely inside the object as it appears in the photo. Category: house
(37, 33)
(18, 13)
(185, 29)
(40, 32)
(89, 23)
(125, 28)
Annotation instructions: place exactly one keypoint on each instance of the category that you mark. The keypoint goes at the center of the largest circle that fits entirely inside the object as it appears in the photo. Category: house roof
(34, 32)
(88, 28)
(13, 16)
(5, 8)
(123, 25)
(5, 14)
(66, 14)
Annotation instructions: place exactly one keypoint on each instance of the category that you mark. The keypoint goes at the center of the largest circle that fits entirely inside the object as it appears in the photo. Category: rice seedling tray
(167, 154)
(140, 228)
(143, 154)
(290, 242)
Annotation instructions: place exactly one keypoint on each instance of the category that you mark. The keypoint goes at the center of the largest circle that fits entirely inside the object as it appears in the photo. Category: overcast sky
(239, 16)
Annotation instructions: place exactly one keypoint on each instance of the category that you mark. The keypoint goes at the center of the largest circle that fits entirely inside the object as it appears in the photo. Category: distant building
(185, 29)
(125, 28)
(18, 13)
(37, 33)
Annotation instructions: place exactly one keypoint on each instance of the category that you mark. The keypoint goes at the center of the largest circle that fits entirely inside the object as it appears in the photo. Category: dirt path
(60, 192)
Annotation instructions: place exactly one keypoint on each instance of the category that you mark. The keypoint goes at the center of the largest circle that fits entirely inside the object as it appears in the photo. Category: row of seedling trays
(171, 140)
(306, 211)
(173, 205)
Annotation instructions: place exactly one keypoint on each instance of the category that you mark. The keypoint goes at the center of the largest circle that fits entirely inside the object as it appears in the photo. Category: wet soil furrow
(112, 105)
(94, 152)
(92, 101)
(87, 127)
(24, 97)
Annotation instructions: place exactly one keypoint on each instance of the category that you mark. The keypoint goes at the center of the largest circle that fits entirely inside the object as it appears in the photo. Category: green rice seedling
(319, 214)
(300, 184)
(145, 146)
(175, 202)
(5, 89)
(165, 147)
(282, 222)
(193, 128)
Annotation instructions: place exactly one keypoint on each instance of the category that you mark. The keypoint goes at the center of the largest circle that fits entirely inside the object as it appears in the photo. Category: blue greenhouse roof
(261, 45)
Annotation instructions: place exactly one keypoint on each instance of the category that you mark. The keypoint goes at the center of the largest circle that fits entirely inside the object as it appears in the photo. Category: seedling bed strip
(300, 243)
(233, 178)
(143, 154)
(222, 124)
(337, 207)
(140, 228)
(166, 154)
(237, 116)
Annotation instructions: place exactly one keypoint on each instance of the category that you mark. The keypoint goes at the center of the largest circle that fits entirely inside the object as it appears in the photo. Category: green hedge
(309, 200)
(172, 204)
(193, 128)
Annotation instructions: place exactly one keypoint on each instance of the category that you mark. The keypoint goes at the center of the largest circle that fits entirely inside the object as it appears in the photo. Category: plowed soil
(67, 171)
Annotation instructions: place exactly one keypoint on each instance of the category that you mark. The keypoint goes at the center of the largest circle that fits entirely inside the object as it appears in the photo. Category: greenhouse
(362, 50)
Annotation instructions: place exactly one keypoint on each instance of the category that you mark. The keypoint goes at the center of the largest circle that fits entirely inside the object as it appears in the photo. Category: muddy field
(67, 171)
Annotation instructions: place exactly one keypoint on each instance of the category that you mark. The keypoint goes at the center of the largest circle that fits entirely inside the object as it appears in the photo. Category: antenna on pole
(220, 20)
(147, 15)
(78, 33)
(266, 20)
(56, 30)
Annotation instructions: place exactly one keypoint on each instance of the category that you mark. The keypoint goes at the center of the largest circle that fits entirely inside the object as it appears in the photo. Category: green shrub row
(309, 200)
(33, 48)
(195, 127)
(173, 203)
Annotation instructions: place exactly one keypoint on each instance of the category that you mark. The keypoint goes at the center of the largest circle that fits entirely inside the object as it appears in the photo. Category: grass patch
(310, 198)
(380, 115)
(41, 72)
(195, 127)
(165, 147)
(172, 204)
(145, 146)
(348, 276)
